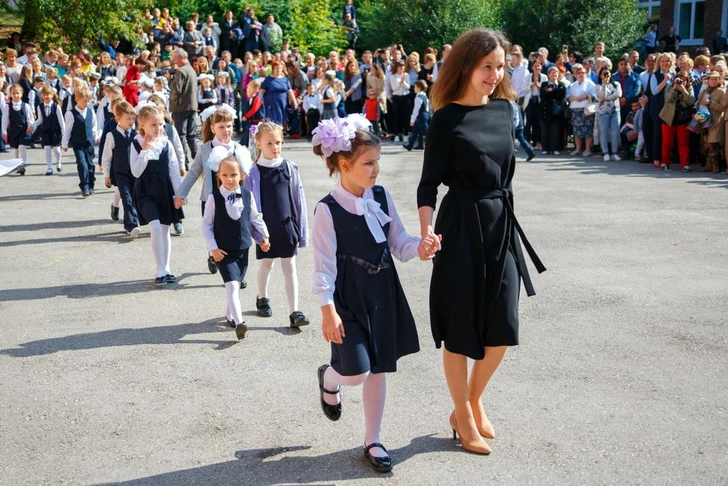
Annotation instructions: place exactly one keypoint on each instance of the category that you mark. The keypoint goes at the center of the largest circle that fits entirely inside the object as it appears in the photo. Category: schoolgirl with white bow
(217, 130)
(366, 317)
(154, 165)
(51, 123)
(230, 223)
(18, 124)
(278, 191)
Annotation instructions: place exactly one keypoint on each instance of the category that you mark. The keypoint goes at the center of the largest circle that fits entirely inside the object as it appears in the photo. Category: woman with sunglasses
(608, 93)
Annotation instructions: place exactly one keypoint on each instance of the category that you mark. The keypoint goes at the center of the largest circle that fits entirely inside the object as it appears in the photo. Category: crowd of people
(668, 110)
(142, 109)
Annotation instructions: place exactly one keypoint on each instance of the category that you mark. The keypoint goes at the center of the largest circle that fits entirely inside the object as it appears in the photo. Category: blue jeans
(524, 143)
(419, 130)
(609, 132)
(86, 167)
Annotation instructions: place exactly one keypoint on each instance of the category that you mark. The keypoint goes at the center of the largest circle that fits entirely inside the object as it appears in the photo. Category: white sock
(290, 276)
(23, 153)
(234, 311)
(373, 394)
(116, 201)
(57, 152)
(49, 156)
(167, 242)
(266, 265)
(157, 238)
(333, 380)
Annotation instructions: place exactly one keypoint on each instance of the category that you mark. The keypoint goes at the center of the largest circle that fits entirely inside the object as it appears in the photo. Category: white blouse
(139, 160)
(259, 231)
(580, 89)
(402, 245)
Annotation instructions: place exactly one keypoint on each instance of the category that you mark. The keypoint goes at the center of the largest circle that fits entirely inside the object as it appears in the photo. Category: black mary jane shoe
(379, 464)
(332, 412)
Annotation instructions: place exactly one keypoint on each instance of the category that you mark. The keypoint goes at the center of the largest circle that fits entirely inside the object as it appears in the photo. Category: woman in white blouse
(579, 95)
(399, 88)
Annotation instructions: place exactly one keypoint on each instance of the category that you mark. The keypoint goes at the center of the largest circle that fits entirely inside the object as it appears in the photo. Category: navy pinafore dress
(368, 297)
(153, 192)
(277, 208)
(232, 236)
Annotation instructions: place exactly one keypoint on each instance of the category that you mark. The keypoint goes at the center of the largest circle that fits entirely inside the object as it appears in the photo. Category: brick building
(696, 21)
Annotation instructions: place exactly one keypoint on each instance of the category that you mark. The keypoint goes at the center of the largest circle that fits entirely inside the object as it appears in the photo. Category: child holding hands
(230, 223)
(366, 317)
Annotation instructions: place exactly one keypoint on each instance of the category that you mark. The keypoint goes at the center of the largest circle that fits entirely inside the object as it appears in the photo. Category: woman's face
(580, 74)
(605, 77)
(553, 75)
(665, 63)
(488, 73)
(277, 71)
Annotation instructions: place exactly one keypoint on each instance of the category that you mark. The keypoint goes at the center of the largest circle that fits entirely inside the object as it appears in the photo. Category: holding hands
(429, 245)
(179, 202)
(265, 245)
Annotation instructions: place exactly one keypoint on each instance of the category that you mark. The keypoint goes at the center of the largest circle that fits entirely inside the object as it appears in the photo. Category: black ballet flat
(332, 412)
(379, 464)
(230, 323)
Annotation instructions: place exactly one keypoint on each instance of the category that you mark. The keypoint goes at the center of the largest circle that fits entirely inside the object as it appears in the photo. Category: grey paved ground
(620, 377)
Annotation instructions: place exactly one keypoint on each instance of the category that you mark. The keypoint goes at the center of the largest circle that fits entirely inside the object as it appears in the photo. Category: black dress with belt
(476, 277)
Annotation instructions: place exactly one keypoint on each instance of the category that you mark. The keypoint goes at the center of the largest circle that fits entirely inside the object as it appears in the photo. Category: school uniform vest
(50, 122)
(207, 94)
(232, 234)
(120, 154)
(82, 133)
(18, 121)
(245, 107)
(69, 103)
(425, 106)
(169, 130)
(36, 101)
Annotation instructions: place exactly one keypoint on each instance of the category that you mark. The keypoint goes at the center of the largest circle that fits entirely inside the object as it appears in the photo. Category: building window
(691, 21)
(651, 7)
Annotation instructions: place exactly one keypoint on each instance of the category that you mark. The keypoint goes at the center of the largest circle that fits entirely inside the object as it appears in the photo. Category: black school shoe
(114, 213)
(298, 319)
(244, 284)
(263, 306)
(169, 278)
(159, 281)
(379, 464)
(211, 265)
(240, 330)
(332, 412)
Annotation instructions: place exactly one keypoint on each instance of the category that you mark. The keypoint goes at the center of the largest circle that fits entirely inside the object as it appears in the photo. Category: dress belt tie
(507, 195)
(371, 268)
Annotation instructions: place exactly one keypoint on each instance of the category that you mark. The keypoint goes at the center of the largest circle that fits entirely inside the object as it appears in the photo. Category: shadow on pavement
(126, 337)
(56, 225)
(108, 237)
(261, 467)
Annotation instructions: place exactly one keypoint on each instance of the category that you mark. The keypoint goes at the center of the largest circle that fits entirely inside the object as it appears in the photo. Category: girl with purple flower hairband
(366, 317)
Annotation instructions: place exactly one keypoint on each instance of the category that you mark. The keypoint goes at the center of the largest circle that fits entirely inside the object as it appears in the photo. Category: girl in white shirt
(366, 317)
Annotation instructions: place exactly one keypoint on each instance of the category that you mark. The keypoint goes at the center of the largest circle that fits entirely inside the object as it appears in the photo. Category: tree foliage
(578, 23)
(77, 23)
(417, 24)
(314, 29)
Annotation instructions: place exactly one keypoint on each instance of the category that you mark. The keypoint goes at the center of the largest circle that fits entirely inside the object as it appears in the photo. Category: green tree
(314, 29)
(77, 24)
(417, 24)
(578, 23)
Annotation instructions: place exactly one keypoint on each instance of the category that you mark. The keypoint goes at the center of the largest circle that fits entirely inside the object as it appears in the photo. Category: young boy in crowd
(253, 109)
(311, 103)
(81, 133)
(420, 119)
(372, 110)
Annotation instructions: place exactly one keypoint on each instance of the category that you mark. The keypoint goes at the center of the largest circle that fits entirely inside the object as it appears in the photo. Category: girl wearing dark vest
(81, 133)
(51, 123)
(366, 317)
(154, 165)
(278, 192)
(115, 164)
(217, 130)
(18, 124)
(230, 223)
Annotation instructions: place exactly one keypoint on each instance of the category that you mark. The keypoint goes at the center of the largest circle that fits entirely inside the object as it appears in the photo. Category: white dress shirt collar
(363, 206)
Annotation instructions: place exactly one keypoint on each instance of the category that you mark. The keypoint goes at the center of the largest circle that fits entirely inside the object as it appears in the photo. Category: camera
(170, 71)
(679, 81)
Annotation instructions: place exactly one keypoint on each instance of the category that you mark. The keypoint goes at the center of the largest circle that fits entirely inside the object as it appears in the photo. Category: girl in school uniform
(230, 224)
(328, 96)
(18, 124)
(224, 91)
(276, 186)
(156, 169)
(217, 130)
(207, 96)
(51, 123)
(365, 313)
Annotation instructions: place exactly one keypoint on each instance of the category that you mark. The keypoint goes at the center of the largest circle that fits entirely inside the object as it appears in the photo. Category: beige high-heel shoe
(476, 446)
(487, 430)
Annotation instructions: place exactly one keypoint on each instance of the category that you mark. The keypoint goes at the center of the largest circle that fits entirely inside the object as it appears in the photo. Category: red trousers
(683, 143)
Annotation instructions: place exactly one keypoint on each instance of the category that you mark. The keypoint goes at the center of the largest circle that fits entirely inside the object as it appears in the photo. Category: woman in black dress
(479, 264)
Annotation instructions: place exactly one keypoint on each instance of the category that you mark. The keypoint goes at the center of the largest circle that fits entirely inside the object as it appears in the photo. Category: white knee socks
(161, 246)
(234, 312)
(290, 276)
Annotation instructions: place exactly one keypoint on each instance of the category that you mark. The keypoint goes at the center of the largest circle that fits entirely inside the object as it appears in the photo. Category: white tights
(288, 266)
(161, 246)
(234, 311)
(22, 153)
(49, 153)
(374, 393)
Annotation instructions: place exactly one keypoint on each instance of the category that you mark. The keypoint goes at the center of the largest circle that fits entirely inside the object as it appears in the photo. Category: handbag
(590, 109)
(557, 109)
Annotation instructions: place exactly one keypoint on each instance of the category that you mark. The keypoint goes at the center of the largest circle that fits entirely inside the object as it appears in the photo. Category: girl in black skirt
(230, 224)
(154, 165)
(365, 313)
(478, 271)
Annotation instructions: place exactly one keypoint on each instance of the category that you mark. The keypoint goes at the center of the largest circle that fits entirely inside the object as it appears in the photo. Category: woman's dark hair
(603, 70)
(362, 139)
(578, 57)
(467, 51)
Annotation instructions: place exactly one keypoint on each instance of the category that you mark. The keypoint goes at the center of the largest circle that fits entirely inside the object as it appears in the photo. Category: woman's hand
(429, 246)
(265, 245)
(331, 326)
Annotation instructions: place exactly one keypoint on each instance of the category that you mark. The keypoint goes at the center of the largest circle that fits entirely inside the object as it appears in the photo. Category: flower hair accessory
(335, 135)
(144, 104)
